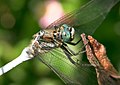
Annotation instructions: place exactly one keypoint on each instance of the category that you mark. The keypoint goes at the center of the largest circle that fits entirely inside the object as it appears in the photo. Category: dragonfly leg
(68, 54)
(72, 43)
(72, 52)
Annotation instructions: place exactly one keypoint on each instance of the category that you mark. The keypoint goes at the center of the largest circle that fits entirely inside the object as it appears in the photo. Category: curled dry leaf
(96, 54)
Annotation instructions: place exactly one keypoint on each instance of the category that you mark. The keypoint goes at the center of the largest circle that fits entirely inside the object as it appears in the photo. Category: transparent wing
(87, 18)
(69, 73)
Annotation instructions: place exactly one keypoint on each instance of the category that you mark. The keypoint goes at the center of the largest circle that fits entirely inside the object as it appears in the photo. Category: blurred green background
(18, 22)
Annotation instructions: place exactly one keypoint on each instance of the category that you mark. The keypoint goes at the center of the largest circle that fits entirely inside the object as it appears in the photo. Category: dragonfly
(51, 39)
(51, 44)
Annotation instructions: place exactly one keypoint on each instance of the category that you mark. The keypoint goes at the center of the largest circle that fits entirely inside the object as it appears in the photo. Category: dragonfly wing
(87, 18)
(68, 72)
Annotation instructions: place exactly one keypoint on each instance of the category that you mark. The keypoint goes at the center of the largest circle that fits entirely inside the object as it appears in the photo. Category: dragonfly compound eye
(66, 36)
(67, 33)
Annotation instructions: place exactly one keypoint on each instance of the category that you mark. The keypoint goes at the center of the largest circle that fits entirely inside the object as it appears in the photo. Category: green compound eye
(67, 33)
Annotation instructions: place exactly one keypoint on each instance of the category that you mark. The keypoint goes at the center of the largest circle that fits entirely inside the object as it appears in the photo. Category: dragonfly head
(67, 33)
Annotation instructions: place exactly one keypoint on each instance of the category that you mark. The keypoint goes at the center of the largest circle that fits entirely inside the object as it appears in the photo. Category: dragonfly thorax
(64, 33)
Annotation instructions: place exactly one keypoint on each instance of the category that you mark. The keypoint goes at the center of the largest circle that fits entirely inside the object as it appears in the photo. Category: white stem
(23, 57)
